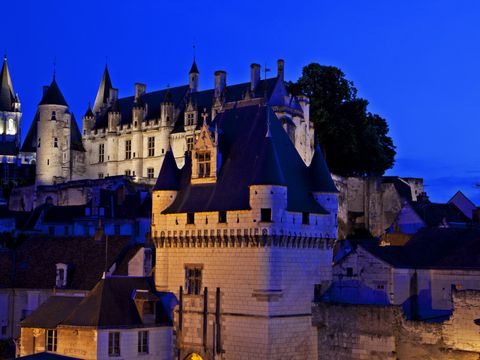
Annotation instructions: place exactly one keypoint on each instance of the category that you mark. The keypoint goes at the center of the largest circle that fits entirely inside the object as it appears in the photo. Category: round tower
(53, 135)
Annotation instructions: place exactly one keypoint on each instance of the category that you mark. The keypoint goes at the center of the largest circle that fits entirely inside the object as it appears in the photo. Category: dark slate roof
(110, 304)
(402, 187)
(268, 170)
(53, 95)
(63, 214)
(103, 93)
(75, 136)
(434, 214)
(7, 96)
(169, 177)
(89, 112)
(30, 142)
(46, 356)
(33, 263)
(434, 248)
(321, 178)
(241, 134)
(202, 99)
(52, 312)
(194, 68)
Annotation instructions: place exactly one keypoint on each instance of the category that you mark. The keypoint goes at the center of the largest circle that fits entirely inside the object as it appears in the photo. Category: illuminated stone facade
(240, 253)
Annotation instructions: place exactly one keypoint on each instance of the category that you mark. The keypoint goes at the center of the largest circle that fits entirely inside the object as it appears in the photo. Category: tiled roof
(103, 93)
(53, 95)
(33, 263)
(30, 142)
(241, 134)
(75, 136)
(52, 312)
(321, 178)
(434, 248)
(110, 304)
(268, 170)
(434, 214)
(169, 177)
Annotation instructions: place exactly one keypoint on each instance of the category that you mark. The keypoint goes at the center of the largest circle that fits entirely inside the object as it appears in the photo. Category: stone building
(130, 135)
(12, 168)
(244, 235)
(121, 317)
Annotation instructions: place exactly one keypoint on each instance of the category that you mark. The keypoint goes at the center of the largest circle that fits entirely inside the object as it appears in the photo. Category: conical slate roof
(89, 112)
(7, 97)
(103, 93)
(168, 97)
(169, 177)
(53, 95)
(194, 68)
(267, 167)
(319, 173)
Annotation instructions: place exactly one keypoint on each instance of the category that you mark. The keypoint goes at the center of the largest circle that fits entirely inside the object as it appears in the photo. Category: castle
(130, 136)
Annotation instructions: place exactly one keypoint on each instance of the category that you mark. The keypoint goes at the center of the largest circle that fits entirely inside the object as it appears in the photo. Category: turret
(10, 115)
(167, 185)
(114, 117)
(167, 110)
(104, 93)
(323, 188)
(268, 189)
(88, 121)
(254, 76)
(53, 132)
(194, 75)
(139, 107)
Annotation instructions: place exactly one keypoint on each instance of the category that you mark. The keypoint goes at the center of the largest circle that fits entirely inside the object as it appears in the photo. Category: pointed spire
(168, 96)
(194, 68)
(267, 167)
(103, 93)
(169, 177)
(89, 112)
(7, 95)
(53, 95)
(319, 173)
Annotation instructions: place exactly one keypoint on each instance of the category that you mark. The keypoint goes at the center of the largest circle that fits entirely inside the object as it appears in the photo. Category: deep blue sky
(417, 62)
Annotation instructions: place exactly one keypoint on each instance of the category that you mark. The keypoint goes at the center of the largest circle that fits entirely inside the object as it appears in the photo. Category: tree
(355, 142)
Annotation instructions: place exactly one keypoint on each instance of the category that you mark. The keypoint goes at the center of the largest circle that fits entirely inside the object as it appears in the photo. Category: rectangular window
(203, 164)
(193, 279)
(189, 144)
(51, 340)
(305, 218)
(143, 342)
(100, 175)
(128, 173)
(39, 142)
(349, 272)
(151, 146)
(190, 119)
(128, 149)
(266, 215)
(190, 218)
(113, 344)
(150, 173)
(55, 142)
(101, 153)
(222, 217)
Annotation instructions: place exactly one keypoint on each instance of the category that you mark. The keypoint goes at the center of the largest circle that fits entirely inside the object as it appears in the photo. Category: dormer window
(222, 217)
(189, 144)
(61, 276)
(203, 162)
(190, 119)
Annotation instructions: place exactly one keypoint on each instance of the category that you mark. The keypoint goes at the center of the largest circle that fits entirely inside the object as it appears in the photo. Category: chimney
(220, 82)
(280, 67)
(139, 90)
(254, 76)
(45, 88)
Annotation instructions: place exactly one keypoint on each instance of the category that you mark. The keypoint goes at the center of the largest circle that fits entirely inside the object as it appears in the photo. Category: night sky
(417, 62)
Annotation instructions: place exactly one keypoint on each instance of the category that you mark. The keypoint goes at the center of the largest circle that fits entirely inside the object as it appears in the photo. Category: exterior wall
(375, 282)
(262, 290)
(160, 343)
(81, 343)
(382, 332)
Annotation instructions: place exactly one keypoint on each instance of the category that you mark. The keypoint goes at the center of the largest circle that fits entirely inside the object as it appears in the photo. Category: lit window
(266, 215)
(51, 340)
(222, 216)
(190, 218)
(113, 344)
(150, 173)
(143, 342)
(189, 144)
(204, 164)
(151, 146)
(55, 142)
(190, 119)
(101, 153)
(128, 149)
(193, 279)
